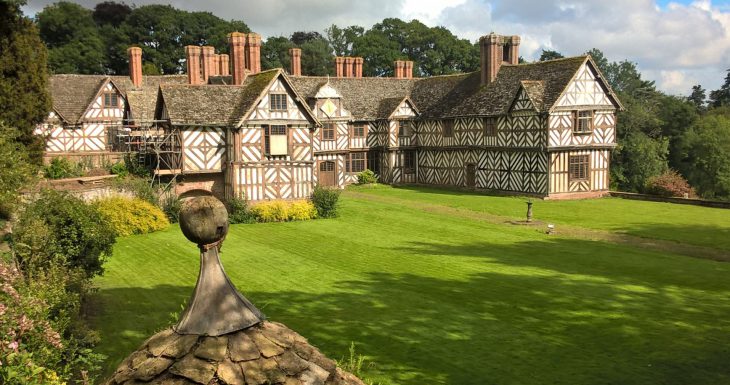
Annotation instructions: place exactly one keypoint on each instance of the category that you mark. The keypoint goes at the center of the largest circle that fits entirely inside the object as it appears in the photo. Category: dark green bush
(119, 169)
(141, 188)
(238, 211)
(134, 166)
(325, 201)
(60, 168)
(367, 177)
(58, 228)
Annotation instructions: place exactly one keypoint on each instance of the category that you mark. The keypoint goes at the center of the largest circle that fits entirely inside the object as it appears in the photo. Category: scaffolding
(152, 146)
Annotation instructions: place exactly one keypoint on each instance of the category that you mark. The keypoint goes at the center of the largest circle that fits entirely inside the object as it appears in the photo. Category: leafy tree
(275, 52)
(342, 39)
(698, 97)
(317, 58)
(111, 13)
(721, 97)
(301, 37)
(706, 155)
(15, 169)
(599, 58)
(636, 159)
(23, 77)
(72, 37)
(548, 54)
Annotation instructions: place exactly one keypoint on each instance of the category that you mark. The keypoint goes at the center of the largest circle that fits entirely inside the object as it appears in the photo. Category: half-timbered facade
(545, 128)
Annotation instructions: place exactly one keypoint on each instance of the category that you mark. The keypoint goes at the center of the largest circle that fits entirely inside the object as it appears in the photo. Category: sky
(675, 43)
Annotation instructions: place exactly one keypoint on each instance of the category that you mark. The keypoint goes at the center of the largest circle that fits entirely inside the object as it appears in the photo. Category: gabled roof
(394, 107)
(535, 90)
(72, 94)
(200, 104)
(257, 84)
(141, 101)
(363, 97)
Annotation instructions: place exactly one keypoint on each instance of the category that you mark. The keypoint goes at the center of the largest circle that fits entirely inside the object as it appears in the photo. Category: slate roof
(72, 94)
(365, 98)
(142, 100)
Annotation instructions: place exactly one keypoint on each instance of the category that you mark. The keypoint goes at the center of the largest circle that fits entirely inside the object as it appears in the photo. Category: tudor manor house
(544, 129)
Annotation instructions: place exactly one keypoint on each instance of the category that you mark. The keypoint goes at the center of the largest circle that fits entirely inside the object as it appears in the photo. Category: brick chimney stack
(339, 60)
(495, 51)
(348, 67)
(296, 61)
(253, 52)
(206, 60)
(223, 68)
(216, 65)
(408, 69)
(192, 56)
(237, 41)
(399, 69)
(358, 67)
(135, 65)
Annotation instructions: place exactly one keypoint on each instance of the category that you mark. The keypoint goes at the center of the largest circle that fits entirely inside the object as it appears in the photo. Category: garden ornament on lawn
(221, 337)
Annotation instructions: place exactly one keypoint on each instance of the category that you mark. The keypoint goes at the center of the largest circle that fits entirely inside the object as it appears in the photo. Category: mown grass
(695, 225)
(436, 299)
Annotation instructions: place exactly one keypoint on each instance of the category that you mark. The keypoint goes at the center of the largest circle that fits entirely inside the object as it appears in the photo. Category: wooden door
(471, 175)
(327, 173)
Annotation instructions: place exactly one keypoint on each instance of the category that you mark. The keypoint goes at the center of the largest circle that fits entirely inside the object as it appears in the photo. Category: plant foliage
(132, 215)
(325, 201)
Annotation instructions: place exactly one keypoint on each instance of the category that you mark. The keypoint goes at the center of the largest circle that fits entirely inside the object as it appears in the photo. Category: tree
(636, 159)
(23, 77)
(275, 52)
(317, 58)
(15, 169)
(111, 13)
(721, 97)
(548, 54)
(599, 58)
(73, 40)
(342, 39)
(706, 155)
(698, 97)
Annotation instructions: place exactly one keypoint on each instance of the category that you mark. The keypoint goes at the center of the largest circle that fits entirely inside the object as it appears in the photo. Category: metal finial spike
(215, 307)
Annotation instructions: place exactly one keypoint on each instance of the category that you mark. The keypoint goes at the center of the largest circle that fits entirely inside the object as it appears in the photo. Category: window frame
(328, 126)
(349, 162)
(273, 106)
(447, 128)
(489, 125)
(357, 126)
(267, 138)
(580, 163)
(404, 128)
(112, 96)
(579, 120)
(409, 169)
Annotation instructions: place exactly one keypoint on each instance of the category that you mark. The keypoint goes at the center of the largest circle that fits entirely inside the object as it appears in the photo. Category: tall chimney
(135, 65)
(223, 68)
(514, 49)
(237, 41)
(207, 62)
(491, 57)
(399, 69)
(408, 69)
(253, 52)
(296, 61)
(339, 60)
(192, 56)
(348, 67)
(216, 66)
(358, 67)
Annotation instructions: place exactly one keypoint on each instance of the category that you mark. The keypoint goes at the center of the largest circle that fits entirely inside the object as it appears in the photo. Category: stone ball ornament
(221, 338)
(204, 220)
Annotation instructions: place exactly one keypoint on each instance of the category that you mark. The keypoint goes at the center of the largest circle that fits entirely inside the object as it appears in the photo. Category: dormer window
(277, 102)
(583, 122)
(111, 100)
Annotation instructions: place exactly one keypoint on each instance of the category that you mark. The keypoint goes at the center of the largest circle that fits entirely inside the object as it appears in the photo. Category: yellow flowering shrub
(132, 215)
(280, 211)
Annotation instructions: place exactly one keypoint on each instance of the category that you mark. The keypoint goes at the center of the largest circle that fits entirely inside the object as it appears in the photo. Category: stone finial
(216, 307)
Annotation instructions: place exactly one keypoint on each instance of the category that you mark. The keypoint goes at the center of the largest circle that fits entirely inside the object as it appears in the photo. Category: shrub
(139, 187)
(301, 211)
(238, 211)
(325, 201)
(273, 211)
(16, 170)
(281, 211)
(367, 177)
(60, 228)
(119, 168)
(171, 204)
(669, 184)
(132, 215)
(134, 166)
(60, 168)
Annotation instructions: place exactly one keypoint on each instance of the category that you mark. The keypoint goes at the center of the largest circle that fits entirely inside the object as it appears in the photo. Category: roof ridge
(581, 57)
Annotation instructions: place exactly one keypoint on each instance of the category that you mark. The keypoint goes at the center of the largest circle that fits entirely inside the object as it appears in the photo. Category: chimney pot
(207, 55)
(399, 69)
(223, 68)
(408, 69)
(348, 67)
(192, 56)
(339, 60)
(358, 66)
(135, 65)
(253, 52)
(493, 54)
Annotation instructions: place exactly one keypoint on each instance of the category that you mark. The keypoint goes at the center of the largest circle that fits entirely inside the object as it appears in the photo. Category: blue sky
(675, 43)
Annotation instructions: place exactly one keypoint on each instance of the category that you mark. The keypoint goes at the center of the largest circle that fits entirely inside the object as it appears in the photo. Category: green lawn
(432, 298)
